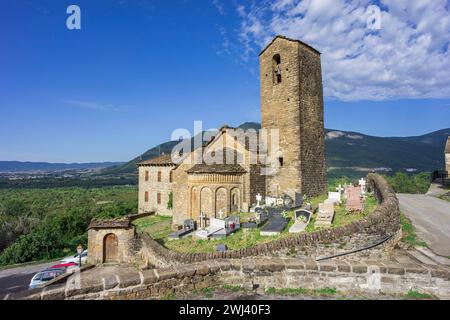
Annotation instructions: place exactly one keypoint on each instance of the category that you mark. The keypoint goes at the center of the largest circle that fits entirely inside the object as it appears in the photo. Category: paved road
(431, 218)
(17, 279)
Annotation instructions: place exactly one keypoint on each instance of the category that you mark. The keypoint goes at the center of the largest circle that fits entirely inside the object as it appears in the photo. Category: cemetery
(268, 220)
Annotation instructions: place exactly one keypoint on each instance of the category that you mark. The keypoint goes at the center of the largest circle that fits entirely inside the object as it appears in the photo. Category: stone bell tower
(292, 102)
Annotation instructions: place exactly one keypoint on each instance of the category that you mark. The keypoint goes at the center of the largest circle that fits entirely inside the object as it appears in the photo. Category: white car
(76, 258)
(45, 276)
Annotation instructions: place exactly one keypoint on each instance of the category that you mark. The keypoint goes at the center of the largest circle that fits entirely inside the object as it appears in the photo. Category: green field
(39, 224)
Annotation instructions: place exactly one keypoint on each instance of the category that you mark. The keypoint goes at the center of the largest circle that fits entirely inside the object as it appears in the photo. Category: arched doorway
(110, 248)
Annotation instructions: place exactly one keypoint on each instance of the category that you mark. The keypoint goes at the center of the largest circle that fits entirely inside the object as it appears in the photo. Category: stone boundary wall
(384, 221)
(253, 274)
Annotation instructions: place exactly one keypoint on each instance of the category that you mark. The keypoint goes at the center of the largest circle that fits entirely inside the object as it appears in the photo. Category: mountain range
(349, 153)
(19, 166)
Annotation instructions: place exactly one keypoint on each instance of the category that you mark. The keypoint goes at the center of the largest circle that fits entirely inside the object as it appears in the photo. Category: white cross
(340, 189)
(221, 214)
(258, 199)
(362, 184)
(202, 220)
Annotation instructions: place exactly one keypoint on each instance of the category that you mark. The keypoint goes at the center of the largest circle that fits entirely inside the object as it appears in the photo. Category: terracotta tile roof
(165, 159)
(447, 146)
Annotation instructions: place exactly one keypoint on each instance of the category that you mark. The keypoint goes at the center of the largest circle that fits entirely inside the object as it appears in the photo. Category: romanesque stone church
(291, 113)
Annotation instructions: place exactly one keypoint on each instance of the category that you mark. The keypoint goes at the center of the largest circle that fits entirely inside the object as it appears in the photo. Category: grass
(323, 292)
(159, 227)
(445, 196)
(409, 233)
(412, 294)
(233, 288)
(169, 296)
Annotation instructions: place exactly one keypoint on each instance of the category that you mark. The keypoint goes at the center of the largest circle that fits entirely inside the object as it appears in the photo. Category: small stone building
(447, 156)
(110, 241)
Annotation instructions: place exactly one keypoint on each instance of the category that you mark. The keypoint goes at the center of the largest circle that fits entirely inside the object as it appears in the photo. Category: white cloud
(407, 58)
(219, 6)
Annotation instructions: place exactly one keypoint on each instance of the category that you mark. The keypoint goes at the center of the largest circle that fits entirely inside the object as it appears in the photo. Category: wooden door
(110, 248)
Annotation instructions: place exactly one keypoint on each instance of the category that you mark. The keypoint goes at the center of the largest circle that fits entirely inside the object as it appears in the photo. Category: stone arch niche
(221, 201)
(276, 66)
(110, 248)
(206, 202)
(235, 201)
(195, 210)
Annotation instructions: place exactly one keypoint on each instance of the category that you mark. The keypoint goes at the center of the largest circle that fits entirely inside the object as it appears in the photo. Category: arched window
(170, 176)
(159, 176)
(276, 65)
(146, 175)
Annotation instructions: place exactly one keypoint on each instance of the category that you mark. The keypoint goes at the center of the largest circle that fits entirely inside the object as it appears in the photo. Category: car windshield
(37, 277)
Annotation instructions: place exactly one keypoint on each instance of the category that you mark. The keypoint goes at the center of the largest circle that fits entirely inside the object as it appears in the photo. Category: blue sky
(139, 69)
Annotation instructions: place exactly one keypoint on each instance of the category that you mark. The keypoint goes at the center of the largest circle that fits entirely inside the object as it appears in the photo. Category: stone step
(432, 256)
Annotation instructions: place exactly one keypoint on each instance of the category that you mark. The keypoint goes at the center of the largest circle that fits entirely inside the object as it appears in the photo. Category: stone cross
(258, 199)
(221, 214)
(340, 189)
(202, 219)
(362, 184)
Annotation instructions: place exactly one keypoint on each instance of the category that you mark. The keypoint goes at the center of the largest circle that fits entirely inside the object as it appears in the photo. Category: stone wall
(259, 273)
(153, 187)
(125, 247)
(383, 223)
(295, 108)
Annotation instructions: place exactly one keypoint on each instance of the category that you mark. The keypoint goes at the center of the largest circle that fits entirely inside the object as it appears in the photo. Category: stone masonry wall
(260, 273)
(153, 187)
(312, 147)
(125, 248)
(294, 107)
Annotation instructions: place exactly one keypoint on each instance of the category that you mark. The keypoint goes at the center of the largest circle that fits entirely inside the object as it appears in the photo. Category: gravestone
(298, 200)
(355, 202)
(325, 215)
(221, 247)
(302, 218)
(202, 220)
(271, 201)
(258, 199)
(188, 228)
(333, 197)
(340, 189)
(275, 224)
(214, 226)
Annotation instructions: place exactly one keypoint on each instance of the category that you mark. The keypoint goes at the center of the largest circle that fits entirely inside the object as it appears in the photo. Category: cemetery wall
(383, 223)
(257, 274)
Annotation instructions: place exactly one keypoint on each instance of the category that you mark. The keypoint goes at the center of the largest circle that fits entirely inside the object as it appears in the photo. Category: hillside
(352, 153)
(18, 166)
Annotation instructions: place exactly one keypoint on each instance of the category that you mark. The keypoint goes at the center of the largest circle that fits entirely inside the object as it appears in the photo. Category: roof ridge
(289, 39)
